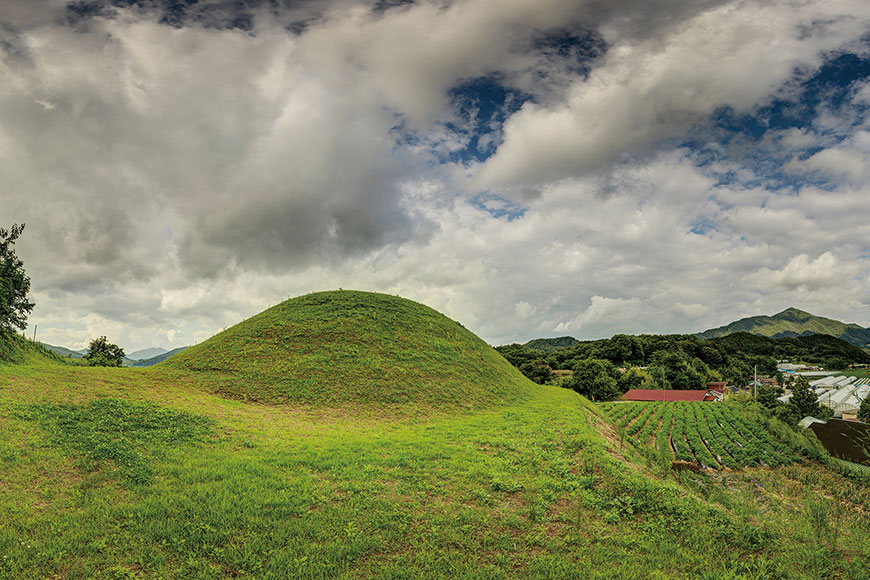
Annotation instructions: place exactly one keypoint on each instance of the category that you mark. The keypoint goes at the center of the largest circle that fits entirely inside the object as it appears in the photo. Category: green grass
(15, 349)
(340, 347)
(539, 489)
(859, 373)
(157, 474)
(115, 430)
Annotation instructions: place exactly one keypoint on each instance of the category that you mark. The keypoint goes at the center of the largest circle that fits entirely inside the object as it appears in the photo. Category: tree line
(604, 369)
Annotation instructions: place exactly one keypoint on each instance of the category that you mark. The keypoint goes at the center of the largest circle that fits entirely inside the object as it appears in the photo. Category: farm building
(668, 395)
(842, 395)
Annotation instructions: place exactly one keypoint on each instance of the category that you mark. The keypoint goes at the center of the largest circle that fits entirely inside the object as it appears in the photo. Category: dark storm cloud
(181, 165)
(290, 231)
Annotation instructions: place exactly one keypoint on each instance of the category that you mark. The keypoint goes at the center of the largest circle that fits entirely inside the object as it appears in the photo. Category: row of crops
(713, 434)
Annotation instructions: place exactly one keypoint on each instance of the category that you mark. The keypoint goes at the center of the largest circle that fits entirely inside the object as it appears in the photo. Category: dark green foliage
(864, 411)
(117, 431)
(687, 362)
(621, 349)
(767, 396)
(102, 353)
(803, 399)
(537, 372)
(551, 344)
(822, 349)
(14, 283)
(679, 372)
(595, 379)
(634, 378)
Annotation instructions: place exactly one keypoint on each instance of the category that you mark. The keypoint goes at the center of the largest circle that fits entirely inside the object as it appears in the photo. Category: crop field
(714, 435)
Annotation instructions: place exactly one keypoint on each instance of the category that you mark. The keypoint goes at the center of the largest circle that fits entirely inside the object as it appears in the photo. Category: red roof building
(667, 395)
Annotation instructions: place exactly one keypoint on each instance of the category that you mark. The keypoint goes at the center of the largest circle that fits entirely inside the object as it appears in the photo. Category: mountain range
(141, 358)
(158, 358)
(792, 322)
(789, 323)
(146, 353)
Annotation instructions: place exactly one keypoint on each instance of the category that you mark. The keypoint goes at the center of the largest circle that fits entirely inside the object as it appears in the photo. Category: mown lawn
(131, 473)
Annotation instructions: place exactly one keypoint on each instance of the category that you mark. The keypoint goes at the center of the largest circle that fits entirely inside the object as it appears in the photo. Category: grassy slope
(531, 488)
(527, 490)
(353, 347)
(793, 320)
(15, 349)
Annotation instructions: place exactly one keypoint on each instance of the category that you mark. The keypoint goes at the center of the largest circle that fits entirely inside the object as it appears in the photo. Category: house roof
(666, 395)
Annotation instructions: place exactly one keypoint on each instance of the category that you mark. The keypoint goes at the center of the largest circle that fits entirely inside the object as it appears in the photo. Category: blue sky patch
(497, 206)
(481, 106)
(745, 138)
(576, 48)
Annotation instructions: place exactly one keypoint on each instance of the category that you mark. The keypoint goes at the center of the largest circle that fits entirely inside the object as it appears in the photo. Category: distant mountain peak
(793, 322)
(146, 353)
(792, 313)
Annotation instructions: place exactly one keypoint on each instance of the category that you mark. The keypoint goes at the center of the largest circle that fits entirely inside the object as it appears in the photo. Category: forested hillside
(790, 323)
(677, 361)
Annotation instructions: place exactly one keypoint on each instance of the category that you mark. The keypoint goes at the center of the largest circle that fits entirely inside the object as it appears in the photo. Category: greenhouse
(844, 395)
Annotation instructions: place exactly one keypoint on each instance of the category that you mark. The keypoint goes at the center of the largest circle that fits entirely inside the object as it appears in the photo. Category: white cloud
(612, 311)
(177, 180)
(801, 272)
(524, 310)
(734, 55)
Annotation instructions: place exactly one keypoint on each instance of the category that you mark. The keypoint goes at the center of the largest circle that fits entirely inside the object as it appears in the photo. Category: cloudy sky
(528, 167)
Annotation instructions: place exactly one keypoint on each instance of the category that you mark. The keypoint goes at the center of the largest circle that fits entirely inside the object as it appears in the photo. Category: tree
(767, 396)
(864, 410)
(803, 399)
(537, 372)
(102, 353)
(14, 283)
(634, 378)
(596, 379)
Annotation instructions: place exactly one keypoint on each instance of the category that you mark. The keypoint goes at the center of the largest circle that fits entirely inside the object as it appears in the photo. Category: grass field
(538, 490)
(155, 474)
(860, 373)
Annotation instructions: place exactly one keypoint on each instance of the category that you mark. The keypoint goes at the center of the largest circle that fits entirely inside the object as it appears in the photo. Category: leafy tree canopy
(803, 399)
(595, 379)
(102, 353)
(678, 361)
(14, 283)
(864, 411)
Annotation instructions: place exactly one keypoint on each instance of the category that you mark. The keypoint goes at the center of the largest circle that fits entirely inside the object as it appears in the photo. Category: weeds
(117, 431)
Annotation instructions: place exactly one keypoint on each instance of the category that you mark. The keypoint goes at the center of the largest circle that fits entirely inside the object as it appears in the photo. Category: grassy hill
(15, 349)
(64, 352)
(791, 323)
(346, 346)
(129, 473)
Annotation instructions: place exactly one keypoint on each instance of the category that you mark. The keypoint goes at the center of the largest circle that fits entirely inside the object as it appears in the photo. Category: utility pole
(35, 326)
(755, 385)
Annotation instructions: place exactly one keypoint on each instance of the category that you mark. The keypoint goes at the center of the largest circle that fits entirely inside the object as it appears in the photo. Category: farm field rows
(714, 435)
